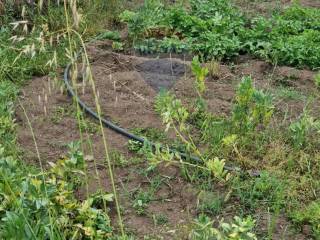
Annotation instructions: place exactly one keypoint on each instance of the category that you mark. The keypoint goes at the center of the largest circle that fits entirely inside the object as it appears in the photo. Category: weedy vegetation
(251, 162)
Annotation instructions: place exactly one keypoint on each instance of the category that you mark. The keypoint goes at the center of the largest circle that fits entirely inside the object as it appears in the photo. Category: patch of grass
(309, 214)
(287, 93)
(152, 134)
(261, 192)
(141, 200)
(210, 203)
(160, 219)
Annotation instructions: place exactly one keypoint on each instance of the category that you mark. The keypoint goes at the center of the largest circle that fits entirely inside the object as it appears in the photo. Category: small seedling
(118, 159)
(117, 46)
(141, 200)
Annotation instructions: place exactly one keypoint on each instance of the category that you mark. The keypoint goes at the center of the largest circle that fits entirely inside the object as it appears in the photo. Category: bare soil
(127, 86)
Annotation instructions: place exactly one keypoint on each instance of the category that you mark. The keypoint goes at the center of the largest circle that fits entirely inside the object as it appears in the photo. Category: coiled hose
(122, 131)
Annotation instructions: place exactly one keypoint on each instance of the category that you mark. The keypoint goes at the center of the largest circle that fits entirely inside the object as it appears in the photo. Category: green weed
(239, 229)
(160, 219)
(301, 129)
(266, 190)
(210, 203)
(141, 200)
(309, 214)
(252, 107)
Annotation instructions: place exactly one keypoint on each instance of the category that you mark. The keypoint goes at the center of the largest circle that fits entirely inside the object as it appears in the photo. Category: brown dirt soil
(127, 87)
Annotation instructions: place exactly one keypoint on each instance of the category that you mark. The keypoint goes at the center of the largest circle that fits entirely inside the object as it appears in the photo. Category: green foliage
(216, 166)
(8, 93)
(38, 203)
(160, 219)
(134, 146)
(218, 30)
(309, 214)
(149, 15)
(117, 46)
(200, 74)
(165, 45)
(301, 130)
(42, 205)
(71, 169)
(281, 39)
(239, 229)
(252, 107)
(172, 111)
(210, 203)
(141, 201)
(256, 192)
(111, 35)
(153, 134)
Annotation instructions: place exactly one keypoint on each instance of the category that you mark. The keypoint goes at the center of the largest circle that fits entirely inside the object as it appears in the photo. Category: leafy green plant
(28, 203)
(200, 74)
(117, 46)
(301, 129)
(216, 166)
(239, 229)
(134, 146)
(141, 200)
(218, 30)
(252, 107)
(160, 219)
(111, 35)
(42, 202)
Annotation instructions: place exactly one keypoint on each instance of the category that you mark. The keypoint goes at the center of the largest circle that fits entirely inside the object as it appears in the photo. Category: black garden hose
(122, 131)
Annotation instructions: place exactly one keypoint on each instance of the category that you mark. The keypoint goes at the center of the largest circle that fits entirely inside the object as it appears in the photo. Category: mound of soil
(161, 73)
